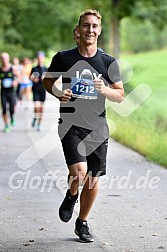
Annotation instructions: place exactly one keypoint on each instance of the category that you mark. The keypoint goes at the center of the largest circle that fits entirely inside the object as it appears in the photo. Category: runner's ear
(77, 28)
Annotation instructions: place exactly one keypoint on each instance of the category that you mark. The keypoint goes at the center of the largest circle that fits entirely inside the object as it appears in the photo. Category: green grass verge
(145, 130)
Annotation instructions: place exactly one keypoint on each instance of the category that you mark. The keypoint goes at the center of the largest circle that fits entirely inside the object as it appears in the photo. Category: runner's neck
(88, 51)
(6, 67)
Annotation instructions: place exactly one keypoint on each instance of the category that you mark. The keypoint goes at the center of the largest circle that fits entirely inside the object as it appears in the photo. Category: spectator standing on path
(7, 75)
(39, 92)
(83, 128)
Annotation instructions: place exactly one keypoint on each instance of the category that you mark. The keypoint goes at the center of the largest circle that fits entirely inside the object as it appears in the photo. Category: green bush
(140, 36)
(145, 130)
(16, 51)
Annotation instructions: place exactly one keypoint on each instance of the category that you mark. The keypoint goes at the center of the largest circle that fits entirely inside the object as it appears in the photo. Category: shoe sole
(63, 220)
(6, 131)
(83, 241)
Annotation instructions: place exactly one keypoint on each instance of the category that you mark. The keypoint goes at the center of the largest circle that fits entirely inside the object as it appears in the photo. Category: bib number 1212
(83, 88)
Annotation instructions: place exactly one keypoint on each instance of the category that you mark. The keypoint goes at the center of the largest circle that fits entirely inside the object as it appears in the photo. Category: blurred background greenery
(133, 30)
(128, 25)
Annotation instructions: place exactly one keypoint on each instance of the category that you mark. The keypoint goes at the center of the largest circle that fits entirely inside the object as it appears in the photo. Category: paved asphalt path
(130, 212)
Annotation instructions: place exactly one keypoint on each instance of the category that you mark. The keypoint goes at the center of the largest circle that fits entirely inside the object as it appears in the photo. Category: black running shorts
(92, 149)
(39, 96)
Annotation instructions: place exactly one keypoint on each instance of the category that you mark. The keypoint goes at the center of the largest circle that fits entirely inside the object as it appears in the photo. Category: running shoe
(13, 122)
(67, 207)
(6, 129)
(39, 128)
(33, 123)
(82, 230)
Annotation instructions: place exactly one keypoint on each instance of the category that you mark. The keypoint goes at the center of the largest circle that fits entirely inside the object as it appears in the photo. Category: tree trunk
(114, 38)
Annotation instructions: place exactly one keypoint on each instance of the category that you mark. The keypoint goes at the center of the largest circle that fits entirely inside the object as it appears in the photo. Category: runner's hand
(14, 83)
(99, 85)
(36, 80)
(67, 93)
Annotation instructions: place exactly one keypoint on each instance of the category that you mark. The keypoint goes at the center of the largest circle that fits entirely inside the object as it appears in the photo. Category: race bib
(83, 88)
(7, 82)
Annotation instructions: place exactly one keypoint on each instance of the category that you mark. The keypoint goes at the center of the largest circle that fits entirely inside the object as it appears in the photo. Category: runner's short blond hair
(89, 12)
(4, 55)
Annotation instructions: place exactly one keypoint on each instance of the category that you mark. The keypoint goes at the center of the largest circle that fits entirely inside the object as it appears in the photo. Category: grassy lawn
(145, 130)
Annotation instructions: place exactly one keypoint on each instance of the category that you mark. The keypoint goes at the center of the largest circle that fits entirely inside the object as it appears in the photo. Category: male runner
(39, 93)
(83, 128)
(76, 36)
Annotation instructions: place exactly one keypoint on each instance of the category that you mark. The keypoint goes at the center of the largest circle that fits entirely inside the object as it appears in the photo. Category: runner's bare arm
(53, 87)
(114, 92)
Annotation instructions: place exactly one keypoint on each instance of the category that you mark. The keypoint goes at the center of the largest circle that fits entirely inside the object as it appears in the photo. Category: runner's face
(89, 29)
(5, 59)
(41, 59)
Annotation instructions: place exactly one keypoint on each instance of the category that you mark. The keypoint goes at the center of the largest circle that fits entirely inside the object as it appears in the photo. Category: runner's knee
(77, 173)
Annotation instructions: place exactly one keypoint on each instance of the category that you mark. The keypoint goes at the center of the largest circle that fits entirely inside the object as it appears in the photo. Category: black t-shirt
(86, 113)
(7, 78)
(38, 71)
